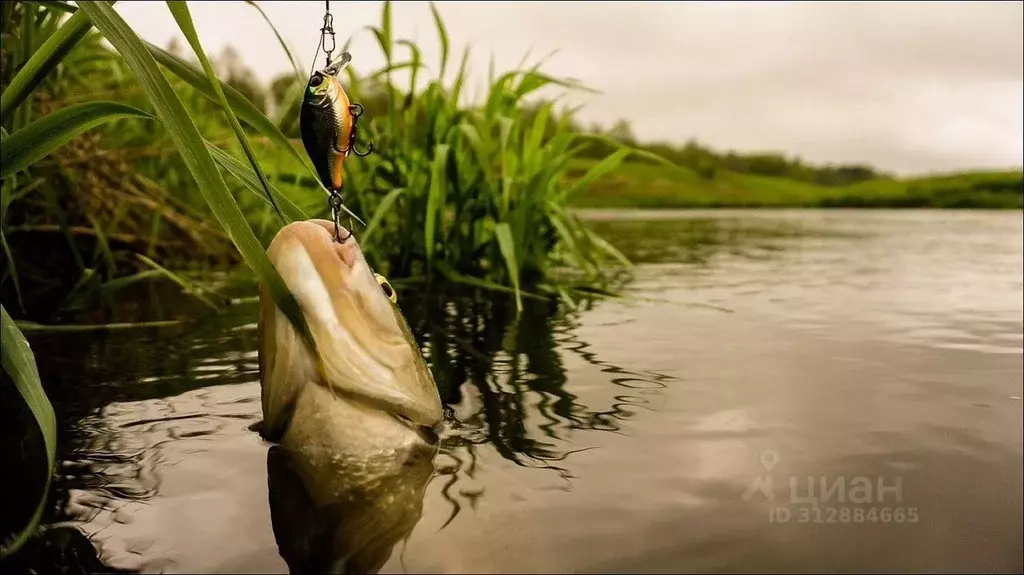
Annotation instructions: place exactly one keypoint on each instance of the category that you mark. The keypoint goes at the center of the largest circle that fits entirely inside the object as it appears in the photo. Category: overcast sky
(907, 87)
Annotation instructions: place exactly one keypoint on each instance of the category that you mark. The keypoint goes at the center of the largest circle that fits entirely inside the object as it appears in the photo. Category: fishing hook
(335, 202)
(356, 110)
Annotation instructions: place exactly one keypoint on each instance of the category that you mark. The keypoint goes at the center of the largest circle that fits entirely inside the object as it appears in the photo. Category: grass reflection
(504, 382)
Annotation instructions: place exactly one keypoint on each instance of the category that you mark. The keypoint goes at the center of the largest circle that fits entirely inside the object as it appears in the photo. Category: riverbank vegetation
(643, 185)
(454, 191)
(702, 177)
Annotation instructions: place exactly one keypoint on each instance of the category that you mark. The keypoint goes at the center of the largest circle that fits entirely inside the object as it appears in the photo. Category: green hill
(644, 185)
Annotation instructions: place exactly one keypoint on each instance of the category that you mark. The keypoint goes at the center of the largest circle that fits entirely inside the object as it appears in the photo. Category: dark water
(871, 361)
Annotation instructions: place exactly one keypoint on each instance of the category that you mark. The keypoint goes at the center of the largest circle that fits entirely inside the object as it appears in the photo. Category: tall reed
(472, 192)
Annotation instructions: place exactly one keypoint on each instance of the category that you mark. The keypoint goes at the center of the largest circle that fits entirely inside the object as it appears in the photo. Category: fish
(326, 122)
(366, 390)
(355, 423)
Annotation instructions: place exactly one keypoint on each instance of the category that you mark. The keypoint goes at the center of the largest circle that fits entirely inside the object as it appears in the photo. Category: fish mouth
(365, 352)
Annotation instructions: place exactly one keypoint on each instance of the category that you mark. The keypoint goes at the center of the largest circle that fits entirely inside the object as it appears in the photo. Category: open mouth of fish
(368, 385)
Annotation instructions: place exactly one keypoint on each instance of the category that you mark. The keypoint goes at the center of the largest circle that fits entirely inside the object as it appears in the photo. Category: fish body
(367, 390)
(326, 122)
(355, 423)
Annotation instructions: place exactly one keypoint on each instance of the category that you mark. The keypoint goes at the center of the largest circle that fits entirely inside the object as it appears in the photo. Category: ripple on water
(138, 482)
(624, 437)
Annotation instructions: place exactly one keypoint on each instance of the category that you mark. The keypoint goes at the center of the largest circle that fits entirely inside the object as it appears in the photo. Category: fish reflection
(337, 515)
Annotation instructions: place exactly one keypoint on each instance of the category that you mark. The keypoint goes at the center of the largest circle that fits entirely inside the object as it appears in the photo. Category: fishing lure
(328, 123)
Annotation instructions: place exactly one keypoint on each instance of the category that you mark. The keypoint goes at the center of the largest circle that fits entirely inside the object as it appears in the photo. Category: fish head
(365, 353)
(324, 86)
(324, 89)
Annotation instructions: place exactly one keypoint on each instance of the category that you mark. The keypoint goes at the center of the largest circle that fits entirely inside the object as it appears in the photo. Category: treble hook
(357, 110)
(335, 202)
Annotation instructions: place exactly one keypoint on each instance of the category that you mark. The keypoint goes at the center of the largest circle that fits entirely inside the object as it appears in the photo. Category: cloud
(908, 87)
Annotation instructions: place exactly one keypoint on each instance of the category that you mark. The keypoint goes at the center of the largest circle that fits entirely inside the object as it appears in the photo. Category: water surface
(762, 359)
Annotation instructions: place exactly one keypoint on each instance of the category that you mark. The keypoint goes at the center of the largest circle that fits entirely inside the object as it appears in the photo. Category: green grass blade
(411, 64)
(607, 248)
(124, 281)
(11, 269)
(289, 113)
(532, 81)
(46, 134)
(597, 171)
(42, 62)
(28, 29)
(435, 198)
(55, 5)
(460, 77)
(280, 40)
(249, 113)
(540, 123)
(30, 326)
(506, 244)
(504, 130)
(378, 215)
(19, 363)
(385, 27)
(634, 151)
(102, 248)
(241, 106)
(565, 233)
(456, 277)
(415, 59)
(442, 35)
(248, 178)
(184, 19)
(52, 197)
(382, 41)
(196, 158)
(185, 285)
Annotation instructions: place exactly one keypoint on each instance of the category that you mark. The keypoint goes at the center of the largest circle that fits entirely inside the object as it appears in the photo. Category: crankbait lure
(328, 122)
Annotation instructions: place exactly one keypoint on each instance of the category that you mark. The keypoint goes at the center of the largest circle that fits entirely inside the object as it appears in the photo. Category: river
(777, 391)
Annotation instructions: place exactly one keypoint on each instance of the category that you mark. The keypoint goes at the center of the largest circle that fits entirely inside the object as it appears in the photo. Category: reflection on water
(335, 516)
(503, 378)
(620, 437)
(698, 238)
(141, 469)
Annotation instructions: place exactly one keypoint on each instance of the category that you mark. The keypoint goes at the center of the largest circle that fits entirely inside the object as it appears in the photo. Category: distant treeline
(707, 162)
